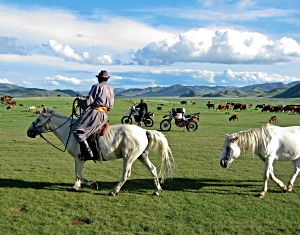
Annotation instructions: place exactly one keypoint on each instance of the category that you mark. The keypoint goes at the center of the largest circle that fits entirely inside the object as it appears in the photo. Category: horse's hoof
(289, 188)
(262, 194)
(95, 186)
(157, 192)
(284, 189)
(73, 189)
(112, 194)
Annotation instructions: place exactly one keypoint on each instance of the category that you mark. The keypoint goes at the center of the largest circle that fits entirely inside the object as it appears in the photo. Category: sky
(61, 44)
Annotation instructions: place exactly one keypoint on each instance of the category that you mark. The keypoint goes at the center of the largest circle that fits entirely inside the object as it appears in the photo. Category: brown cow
(273, 119)
(234, 117)
(221, 107)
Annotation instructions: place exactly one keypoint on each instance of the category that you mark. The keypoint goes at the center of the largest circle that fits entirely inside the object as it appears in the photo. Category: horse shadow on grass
(141, 186)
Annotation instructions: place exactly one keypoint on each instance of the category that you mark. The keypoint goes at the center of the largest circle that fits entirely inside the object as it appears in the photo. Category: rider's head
(103, 76)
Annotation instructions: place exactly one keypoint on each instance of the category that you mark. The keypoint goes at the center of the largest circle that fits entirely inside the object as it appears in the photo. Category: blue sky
(61, 44)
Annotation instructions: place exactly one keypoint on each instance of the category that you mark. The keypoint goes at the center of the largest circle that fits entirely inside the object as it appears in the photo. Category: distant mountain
(17, 91)
(69, 92)
(293, 92)
(266, 86)
(278, 90)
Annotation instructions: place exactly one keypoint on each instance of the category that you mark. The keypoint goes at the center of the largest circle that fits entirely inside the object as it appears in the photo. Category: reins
(69, 135)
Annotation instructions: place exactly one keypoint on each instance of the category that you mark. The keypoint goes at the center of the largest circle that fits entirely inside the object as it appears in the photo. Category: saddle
(94, 144)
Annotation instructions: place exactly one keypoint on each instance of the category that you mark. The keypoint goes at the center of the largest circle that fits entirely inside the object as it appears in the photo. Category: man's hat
(103, 74)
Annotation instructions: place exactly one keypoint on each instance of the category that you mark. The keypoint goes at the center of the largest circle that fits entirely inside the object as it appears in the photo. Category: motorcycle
(181, 120)
(127, 119)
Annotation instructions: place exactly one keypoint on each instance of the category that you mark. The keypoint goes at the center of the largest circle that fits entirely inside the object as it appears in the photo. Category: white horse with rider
(129, 142)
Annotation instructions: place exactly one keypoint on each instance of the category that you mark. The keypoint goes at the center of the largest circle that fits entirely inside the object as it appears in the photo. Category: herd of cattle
(264, 108)
(8, 101)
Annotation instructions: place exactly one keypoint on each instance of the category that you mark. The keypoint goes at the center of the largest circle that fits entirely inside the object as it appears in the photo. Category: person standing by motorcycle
(143, 109)
(100, 100)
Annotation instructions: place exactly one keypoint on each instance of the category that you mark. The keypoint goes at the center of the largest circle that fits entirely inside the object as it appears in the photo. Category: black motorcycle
(127, 119)
(181, 120)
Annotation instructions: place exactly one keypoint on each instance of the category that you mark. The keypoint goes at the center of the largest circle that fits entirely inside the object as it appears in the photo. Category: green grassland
(202, 198)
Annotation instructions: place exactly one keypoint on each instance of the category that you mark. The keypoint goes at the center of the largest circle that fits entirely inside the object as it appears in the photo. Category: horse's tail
(160, 144)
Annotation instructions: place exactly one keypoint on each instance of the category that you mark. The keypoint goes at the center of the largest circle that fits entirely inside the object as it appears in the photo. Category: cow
(267, 108)
(209, 106)
(6, 98)
(222, 107)
(234, 117)
(273, 119)
(183, 102)
(12, 103)
(277, 108)
(259, 106)
(240, 107)
(159, 108)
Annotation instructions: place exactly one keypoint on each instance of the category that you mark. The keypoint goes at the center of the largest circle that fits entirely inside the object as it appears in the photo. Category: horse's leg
(79, 164)
(126, 173)
(268, 169)
(152, 169)
(296, 164)
(277, 181)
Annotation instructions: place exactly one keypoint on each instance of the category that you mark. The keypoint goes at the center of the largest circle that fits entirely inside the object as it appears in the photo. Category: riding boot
(86, 152)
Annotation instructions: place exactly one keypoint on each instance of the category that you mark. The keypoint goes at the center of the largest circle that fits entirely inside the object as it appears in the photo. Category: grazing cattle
(234, 117)
(6, 98)
(12, 103)
(259, 106)
(290, 108)
(297, 110)
(222, 107)
(273, 119)
(240, 107)
(35, 110)
(277, 108)
(159, 108)
(267, 108)
(209, 106)
(183, 102)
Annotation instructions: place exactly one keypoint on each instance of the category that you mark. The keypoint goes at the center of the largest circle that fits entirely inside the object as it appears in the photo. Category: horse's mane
(56, 113)
(253, 139)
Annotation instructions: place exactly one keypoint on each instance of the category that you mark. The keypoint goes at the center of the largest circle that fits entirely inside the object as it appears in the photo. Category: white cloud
(58, 79)
(5, 80)
(65, 51)
(38, 25)
(255, 77)
(104, 60)
(226, 46)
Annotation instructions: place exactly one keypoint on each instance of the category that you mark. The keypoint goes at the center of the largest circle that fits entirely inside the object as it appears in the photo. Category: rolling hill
(293, 92)
(276, 90)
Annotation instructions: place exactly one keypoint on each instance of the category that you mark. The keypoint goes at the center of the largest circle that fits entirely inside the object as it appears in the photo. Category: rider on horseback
(101, 100)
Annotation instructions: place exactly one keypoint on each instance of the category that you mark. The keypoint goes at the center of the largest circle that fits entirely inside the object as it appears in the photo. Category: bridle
(44, 126)
(75, 110)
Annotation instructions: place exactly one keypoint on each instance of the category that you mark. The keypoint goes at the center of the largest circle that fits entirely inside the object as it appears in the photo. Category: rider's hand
(83, 104)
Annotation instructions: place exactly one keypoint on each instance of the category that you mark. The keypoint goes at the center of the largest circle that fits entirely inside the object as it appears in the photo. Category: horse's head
(231, 150)
(40, 125)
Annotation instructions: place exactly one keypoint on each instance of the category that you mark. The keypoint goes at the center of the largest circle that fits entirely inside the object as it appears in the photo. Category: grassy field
(202, 198)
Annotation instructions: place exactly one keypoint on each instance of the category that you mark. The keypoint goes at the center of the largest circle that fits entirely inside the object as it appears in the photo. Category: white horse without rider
(270, 143)
(129, 142)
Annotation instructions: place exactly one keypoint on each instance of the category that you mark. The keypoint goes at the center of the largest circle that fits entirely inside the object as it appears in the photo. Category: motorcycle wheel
(126, 120)
(165, 125)
(191, 126)
(148, 122)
